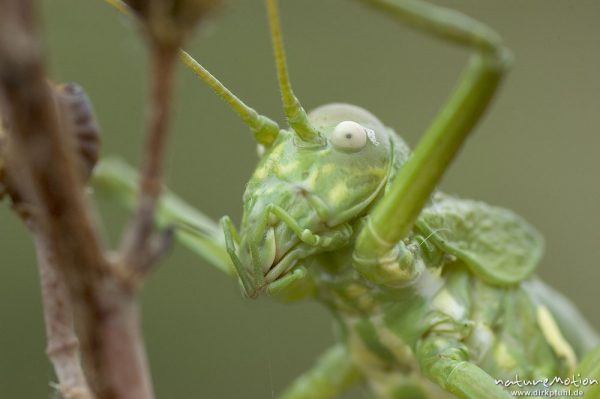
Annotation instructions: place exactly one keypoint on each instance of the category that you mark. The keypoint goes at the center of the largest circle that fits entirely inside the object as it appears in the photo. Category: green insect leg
(444, 351)
(395, 215)
(444, 359)
(232, 241)
(116, 179)
(287, 289)
(332, 239)
(331, 376)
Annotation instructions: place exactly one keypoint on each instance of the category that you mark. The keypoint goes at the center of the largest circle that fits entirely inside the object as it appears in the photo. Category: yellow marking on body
(372, 367)
(366, 302)
(311, 180)
(386, 381)
(361, 295)
(555, 338)
(383, 380)
(277, 152)
(360, 354)
(261, 172)
(286, 168)
(401, 351)
(328, 168)
(503, 357)
(356, 290)
(337, 193)
(399, 348)
(446, 303)
(374, 172)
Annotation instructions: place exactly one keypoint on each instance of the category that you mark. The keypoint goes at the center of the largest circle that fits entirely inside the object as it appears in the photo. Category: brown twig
(62, 343)
(166, 23)
(43, 159)
(81, 286)
(140, 246)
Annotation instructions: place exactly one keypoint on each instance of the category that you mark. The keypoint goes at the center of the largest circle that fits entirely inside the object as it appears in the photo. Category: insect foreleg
(193, 229)
(395, 215)
(232, 241)
(331, 239)
(331, 376)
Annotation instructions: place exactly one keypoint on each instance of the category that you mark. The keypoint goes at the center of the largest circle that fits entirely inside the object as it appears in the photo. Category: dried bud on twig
(170, 22)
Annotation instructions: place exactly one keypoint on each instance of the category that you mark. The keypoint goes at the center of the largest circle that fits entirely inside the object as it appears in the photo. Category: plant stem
(62, 343)
(43, 163)
(140, 248)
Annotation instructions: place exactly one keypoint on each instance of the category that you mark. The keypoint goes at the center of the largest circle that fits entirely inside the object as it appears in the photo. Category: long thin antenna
(265, 129)
(297, 117)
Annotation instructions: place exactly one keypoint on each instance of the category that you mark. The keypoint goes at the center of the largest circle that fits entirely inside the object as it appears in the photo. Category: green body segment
(496, 244)
(467, 303)
(464, 309)
(395, 335)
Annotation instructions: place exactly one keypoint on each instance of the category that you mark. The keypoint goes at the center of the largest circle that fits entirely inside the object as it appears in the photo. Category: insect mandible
(422, 284)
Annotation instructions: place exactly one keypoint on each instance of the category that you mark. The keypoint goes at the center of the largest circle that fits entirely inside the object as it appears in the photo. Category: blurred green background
(536, 153)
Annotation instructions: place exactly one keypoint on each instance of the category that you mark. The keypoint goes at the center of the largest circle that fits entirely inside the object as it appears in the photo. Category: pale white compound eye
(349, 136)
